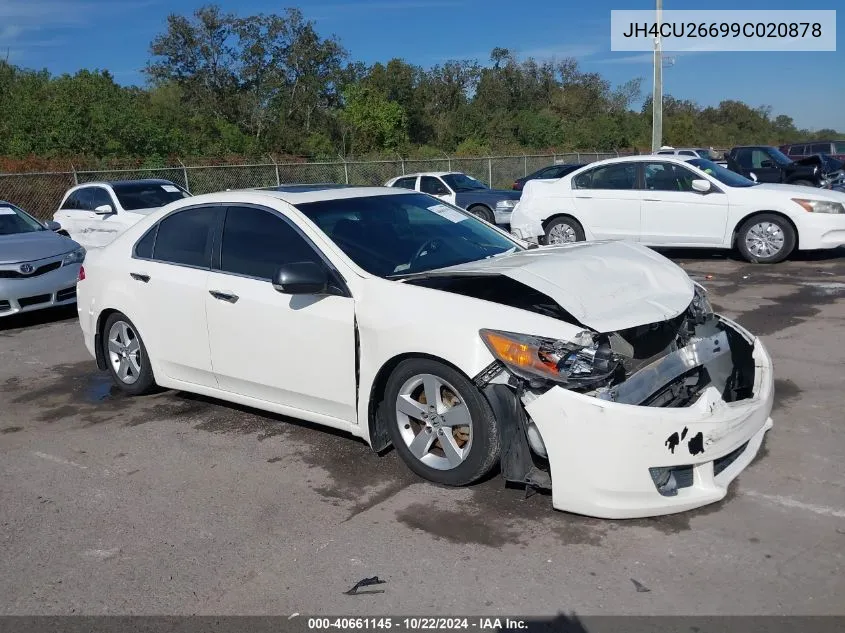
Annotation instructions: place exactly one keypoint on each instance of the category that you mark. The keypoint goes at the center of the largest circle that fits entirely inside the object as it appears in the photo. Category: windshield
(725, 176)
(462, 182)
(778, 156)
(15, 220)
(397, 235)
(147, 195)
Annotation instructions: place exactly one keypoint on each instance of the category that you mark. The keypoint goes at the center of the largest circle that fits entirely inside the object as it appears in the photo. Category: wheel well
(756, 213)
(98, 336)
(479, 205)
(379, 437)
(549, 219)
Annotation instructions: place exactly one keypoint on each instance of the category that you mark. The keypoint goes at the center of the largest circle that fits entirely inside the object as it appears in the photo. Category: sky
(66, 35)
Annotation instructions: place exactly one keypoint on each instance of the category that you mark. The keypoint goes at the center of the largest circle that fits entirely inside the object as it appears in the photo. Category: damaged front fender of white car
(642, 421)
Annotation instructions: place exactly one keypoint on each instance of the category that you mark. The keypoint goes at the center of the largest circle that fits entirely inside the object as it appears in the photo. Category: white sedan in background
(597, 370)
(667, 201)
(94, 213)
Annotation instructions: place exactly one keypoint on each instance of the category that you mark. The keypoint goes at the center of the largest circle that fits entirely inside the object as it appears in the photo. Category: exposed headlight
(506, 205)
(583, 362)
(820, 206)
(74, 257)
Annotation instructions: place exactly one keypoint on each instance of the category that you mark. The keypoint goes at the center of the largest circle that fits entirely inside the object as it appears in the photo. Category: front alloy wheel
(766, 239)
(439, 422)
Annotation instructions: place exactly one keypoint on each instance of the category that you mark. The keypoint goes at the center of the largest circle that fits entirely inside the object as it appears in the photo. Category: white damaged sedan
(597, 369)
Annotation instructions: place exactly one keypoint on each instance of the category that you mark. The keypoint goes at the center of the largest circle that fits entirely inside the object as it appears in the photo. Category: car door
(169, 277)
(73, 215)
(607, 199)
(436, 187)
(672, 213)
(102, 225)
(297, 351)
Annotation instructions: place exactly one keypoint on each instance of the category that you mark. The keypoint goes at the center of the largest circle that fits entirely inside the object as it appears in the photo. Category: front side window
(147, 195)
(396, 235)
(100, 197)
(184, 237)
(433, 186)
(820, 148)
(256, 242)
(615, 176)
(667, 177)
(15, 220)
(79, 200)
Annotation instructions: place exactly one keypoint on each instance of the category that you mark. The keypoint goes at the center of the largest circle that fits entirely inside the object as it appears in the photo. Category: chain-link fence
(41, 193)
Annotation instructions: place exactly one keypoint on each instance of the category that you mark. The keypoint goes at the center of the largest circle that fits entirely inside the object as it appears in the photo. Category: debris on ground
(640, 587)
(366, 582)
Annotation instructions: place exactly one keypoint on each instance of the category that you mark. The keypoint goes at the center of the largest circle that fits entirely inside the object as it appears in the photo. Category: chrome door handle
(224, 296)
(140, 277)
(651, 199)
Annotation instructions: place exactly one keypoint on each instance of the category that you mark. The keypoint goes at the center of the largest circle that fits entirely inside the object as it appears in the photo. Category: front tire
(765, 239)
(564, 230)
(440, 423)
(479, 210)
(126, 356)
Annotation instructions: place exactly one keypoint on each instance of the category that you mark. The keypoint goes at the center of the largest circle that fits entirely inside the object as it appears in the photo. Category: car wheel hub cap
(124, 351)
(434, 422)
(765, 239)
(562, 234)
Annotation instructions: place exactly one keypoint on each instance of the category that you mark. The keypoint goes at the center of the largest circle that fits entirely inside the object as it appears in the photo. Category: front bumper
(600, 453)
(55, 288)
(821, 230)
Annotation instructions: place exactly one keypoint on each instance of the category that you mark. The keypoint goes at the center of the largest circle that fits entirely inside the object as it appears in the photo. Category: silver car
(38, 267)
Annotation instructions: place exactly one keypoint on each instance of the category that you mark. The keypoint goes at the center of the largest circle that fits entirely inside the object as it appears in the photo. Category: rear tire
(126, 356)
(765, 238)
(453, 442)
(563, 230)
(479, 210)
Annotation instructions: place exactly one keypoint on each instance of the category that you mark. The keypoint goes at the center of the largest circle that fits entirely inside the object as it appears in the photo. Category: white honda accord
(668, 201)
(597, 370)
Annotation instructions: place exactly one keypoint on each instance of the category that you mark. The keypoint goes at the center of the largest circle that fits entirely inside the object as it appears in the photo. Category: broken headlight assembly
(585, 362)
(700, 307)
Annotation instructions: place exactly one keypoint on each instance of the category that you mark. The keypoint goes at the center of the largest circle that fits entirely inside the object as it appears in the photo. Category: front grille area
(67, 293)
(723, 462)
(5, 305)
(25, 302)
(15, 274)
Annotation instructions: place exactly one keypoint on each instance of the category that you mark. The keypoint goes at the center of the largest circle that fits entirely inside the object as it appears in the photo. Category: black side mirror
(301, 278)
(767, 163)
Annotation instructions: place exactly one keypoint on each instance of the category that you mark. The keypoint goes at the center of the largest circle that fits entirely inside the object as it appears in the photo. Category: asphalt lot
(175, 504)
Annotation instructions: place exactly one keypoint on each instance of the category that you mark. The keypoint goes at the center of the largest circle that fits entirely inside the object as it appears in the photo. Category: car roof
(428, 173)
(300, 196)
(305, 187)
(112, 183)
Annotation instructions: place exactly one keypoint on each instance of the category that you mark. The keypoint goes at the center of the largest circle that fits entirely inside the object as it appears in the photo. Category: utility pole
(657, 94)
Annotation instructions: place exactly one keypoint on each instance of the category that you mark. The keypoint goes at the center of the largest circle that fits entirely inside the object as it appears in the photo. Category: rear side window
(406, 183)
(820, 148)
(616, 176)
(256, 242)
(144, 246)
(796, 150)
(686, 152)
(184, 237)
(839, 148)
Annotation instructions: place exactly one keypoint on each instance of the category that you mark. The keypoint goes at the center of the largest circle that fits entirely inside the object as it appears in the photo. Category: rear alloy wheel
(564, 230)
(766, 239)
(483, 212)
(439, 422)
(126, 356)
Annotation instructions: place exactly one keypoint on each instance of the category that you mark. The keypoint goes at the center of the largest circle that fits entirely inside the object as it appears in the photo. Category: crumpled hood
(798, 191)
(607, 285)
(27, 247)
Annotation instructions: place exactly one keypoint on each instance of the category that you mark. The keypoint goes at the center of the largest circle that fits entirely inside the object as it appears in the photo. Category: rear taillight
(81, 274)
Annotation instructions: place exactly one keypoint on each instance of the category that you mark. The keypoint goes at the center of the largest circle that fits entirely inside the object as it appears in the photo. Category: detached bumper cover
(601, 452)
